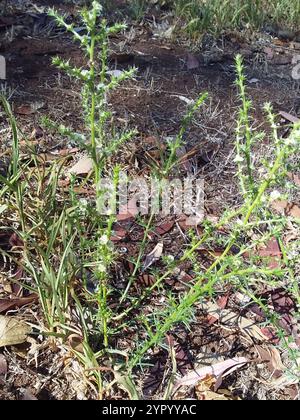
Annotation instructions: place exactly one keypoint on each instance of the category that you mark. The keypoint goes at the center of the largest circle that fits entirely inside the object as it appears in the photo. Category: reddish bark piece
(147, 280)
(128, 212)
(164, 228)
(270, 333)
(7, 304)
(211, 320)
(222, 301)
(119, 234)
(273, 252)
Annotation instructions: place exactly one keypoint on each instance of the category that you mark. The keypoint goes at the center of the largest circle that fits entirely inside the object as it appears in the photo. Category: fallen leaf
(3, 208)
(295, 178)
(36, 133)
(154, 377)
(272, 356)
(289, 117)
(129, 211)
(204, 390)
(273, 252)
(118, 234)
(28, 109)
(13, 331)
(6, 304)
(230, 319)
(222, 301)
(271, 334)
(76, 342)
(253, 80)
(286, 208)
(187, 223)
(83, 167)
(68, 152)
(283, 302)
(147, 280)
(285, 306)
(115, 73)
(154, 256)
(216, 370)
(164, 228)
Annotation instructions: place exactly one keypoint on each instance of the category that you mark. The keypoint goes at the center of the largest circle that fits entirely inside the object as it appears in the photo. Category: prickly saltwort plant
(252, 216)
(98, 140)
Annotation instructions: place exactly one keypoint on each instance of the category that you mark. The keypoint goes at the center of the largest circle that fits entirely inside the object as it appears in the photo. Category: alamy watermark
(296, 68)
(2, 68)
(124, 196)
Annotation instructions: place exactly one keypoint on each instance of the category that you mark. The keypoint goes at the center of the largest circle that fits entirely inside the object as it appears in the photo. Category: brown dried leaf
(119, 234)
(204, 390)
(13, 331)
(28, 109)
(154, 256)
(273, 252)
(182, 355)
(164, 228)
(289, 117)
(7, 304)
(232, 320)
(128, 212)
(83, 167)
(147, 280)
(295, 178)
(215, 370)
(272, 356)
(284, 207)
